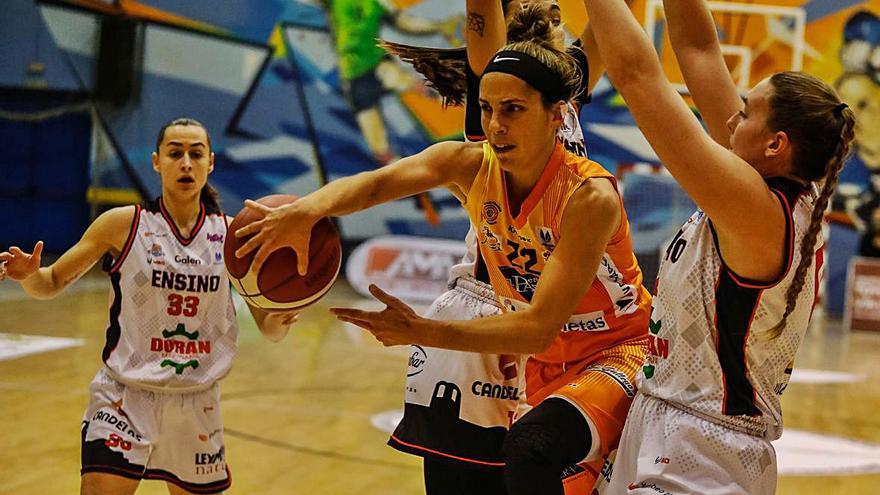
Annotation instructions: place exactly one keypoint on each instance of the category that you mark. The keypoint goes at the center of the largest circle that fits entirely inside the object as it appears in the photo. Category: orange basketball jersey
(616, 307)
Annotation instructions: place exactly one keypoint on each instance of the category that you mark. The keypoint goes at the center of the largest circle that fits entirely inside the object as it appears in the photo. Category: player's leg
(106, 484)
(446, 478)
(580, 423)
(116, 436)
(190, 455)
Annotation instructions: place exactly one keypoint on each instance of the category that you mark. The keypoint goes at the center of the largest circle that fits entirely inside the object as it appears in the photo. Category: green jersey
(357, 24)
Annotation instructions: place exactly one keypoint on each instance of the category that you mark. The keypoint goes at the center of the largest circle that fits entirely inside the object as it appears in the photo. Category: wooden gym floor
(298, 414)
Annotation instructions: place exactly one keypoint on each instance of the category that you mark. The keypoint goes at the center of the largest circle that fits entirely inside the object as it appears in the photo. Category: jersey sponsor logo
(588, 322)
(616, 375)
(491, 210)
(494, 390)
(218, 258)
(650, 486)
(210, 462)
(155, 255)
(624, 295)
(187, 260)
(185, 282)
(523, 283)
(658, 347)
(214, 237)
(117, 423)
(179, 367)
(417, 360)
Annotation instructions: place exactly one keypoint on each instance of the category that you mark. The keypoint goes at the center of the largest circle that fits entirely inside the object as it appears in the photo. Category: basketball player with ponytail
(154, 408)
(554, 244)
(738, 282)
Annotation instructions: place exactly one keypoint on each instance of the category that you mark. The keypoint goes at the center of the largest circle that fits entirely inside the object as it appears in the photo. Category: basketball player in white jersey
(154, 410)
(738, 282)
(448, 419)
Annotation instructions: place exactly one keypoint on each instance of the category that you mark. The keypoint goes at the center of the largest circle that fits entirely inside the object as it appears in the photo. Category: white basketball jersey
(172, 321)
(708, 350)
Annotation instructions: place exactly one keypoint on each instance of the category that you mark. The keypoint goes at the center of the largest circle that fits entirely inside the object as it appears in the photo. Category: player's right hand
(282, 226)
(19, 265)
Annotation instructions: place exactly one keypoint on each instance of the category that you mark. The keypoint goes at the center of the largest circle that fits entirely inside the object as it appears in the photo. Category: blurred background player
(736, 289)
(367, 73)
(154, 408)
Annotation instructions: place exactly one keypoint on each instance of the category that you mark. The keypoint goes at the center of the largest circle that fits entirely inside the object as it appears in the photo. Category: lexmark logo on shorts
(211, 462)
(590, 322)
(417, 359)
(187, 260)
(494, 391)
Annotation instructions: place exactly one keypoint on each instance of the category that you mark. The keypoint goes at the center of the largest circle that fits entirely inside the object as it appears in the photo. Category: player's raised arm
(485, 32)
(698, 51)
(451, 164)
(107, 233)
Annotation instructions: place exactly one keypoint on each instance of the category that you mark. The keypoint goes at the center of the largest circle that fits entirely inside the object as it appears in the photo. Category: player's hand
(282, 318)
(397, 324)
(19, 265)
(282, 226)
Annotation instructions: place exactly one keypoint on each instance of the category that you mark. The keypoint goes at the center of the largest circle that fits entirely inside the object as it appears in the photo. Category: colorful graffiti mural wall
(296, 93)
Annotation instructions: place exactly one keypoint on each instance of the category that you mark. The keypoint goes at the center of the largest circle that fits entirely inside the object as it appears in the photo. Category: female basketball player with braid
(154, 408)
(554, 241)
(738, 282)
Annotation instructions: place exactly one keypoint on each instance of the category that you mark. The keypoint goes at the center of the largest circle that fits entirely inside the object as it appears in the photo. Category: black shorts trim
(215, 487)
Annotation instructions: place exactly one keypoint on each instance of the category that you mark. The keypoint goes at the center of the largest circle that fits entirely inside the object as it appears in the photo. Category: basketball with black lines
(278, 286)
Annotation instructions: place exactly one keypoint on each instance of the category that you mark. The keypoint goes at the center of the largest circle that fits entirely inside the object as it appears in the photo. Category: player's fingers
(38, 249)
(6, 256)
(251, 228)
(366, 325)
(262, 209)
(16, 251)
(260, 258)
(352, 313)
(251, 244)
(386, 298)
(302, 258)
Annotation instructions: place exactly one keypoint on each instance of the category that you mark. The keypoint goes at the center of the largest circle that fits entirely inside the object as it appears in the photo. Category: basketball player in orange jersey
(154, 408)
(460, 436)
(554, 239)
(738, 282)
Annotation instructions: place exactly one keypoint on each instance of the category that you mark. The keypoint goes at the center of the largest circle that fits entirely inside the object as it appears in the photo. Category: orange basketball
(278, 286)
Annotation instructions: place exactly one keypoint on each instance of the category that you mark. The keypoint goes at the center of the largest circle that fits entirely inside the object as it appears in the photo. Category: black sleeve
(584, 66)
(473, 127)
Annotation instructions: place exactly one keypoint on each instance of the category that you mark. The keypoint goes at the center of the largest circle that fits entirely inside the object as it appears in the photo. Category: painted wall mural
(295, 93)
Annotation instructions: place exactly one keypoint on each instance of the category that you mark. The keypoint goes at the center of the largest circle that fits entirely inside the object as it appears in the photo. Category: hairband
(532, 71)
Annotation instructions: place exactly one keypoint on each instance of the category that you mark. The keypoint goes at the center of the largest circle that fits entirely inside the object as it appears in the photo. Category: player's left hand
(397, 324)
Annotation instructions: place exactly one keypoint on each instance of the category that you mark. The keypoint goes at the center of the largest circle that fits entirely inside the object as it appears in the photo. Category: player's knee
(529, 445)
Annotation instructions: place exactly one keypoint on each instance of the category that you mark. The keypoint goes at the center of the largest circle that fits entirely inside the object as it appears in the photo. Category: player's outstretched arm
(567, 276)
(698, 51)
(107, 233)
(451, 164)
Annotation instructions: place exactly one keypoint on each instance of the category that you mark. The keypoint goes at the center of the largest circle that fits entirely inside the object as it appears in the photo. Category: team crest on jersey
(491, 210)
(155, 255)
(218, 258)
